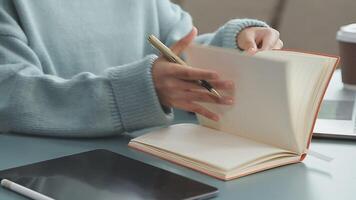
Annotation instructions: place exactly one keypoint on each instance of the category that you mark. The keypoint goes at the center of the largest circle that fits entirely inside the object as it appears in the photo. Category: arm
(122, 99)
(174, 25)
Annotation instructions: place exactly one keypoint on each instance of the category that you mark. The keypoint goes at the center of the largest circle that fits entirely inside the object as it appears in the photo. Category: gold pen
(167, 53)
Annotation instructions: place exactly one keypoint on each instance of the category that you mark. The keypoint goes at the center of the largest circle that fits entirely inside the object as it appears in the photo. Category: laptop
(337, 114)
(102, 174)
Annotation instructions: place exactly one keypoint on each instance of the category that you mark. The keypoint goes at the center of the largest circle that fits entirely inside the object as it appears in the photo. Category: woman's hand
(176, 84)
(255, 39)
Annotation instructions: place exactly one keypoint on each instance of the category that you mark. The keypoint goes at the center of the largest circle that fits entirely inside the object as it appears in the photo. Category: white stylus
(24, 190)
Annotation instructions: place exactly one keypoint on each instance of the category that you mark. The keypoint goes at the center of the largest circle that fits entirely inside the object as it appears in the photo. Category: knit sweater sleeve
(226, 35)
(121, 99)
(175, 23)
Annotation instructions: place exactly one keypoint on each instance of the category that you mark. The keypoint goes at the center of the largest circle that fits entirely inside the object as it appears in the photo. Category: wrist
(135, 96)
(234, 27)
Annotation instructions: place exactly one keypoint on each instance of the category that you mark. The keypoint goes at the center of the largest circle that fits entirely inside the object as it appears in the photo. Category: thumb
(252, 50)
(249, 45)
(179, 46)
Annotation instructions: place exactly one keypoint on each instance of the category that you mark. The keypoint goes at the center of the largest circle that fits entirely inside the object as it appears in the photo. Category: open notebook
(277, 95)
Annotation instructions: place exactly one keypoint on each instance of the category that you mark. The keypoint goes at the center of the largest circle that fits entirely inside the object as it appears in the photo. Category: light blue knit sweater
(83, 67)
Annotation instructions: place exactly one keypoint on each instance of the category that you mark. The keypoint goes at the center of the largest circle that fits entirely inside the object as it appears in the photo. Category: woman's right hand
(176, 84)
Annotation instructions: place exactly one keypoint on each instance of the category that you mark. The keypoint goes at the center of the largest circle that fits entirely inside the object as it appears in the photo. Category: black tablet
(105, 175)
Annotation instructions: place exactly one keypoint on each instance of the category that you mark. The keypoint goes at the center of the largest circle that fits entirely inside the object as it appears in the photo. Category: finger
(202, 96)
(192, 86)
(270, 39)
(193, 107)
(182, 85)
(207, 97)
(190, 73)
(179, 46)
(248, 43)
(252, 51)
(278, 45)
(222, 84)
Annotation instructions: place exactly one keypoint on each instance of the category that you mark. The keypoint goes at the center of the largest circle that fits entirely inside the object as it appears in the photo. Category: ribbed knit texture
(133, 95)
(82, 68)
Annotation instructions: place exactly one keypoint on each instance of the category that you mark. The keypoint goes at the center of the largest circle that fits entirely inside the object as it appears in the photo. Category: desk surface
(312, 179)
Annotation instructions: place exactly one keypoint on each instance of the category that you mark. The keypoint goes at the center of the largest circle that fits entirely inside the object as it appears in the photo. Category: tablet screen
(102, 174)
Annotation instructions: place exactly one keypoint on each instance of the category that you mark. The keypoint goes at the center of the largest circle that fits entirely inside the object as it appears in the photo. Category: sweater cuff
(233, 27)
(135, 96)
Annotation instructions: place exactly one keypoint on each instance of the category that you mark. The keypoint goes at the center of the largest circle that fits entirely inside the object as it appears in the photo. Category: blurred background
(308, 25)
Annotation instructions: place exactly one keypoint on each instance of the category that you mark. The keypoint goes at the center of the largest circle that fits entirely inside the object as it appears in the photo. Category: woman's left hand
(254, 39)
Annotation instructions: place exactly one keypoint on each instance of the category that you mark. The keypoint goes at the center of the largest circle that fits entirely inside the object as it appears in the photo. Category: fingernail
(229, 101)
(214, 76)
(215, 118)
(251, 51)
(230, 84)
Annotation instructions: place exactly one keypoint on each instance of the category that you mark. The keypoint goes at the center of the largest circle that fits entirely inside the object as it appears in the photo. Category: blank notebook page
(261, 110)
(218, 149)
